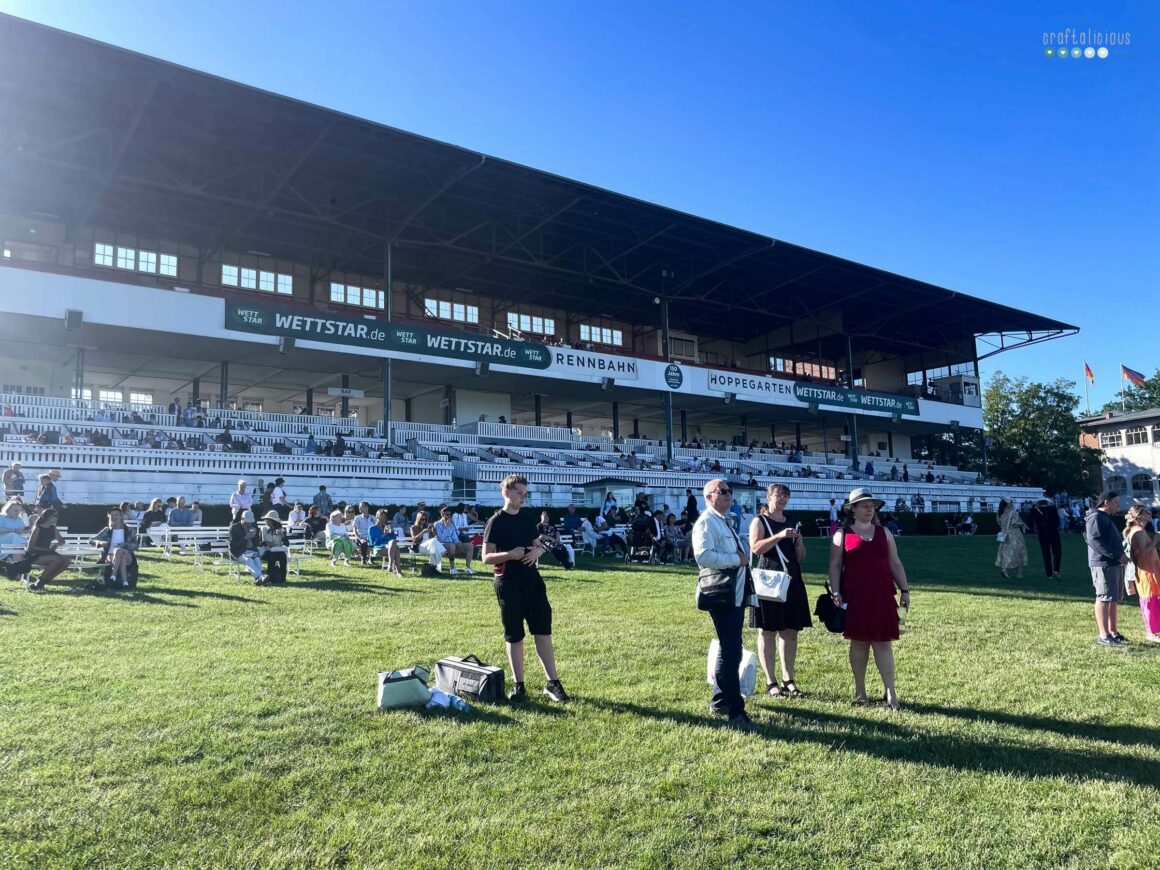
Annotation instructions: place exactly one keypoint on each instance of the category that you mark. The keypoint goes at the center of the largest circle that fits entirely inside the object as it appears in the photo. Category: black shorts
(520, 601)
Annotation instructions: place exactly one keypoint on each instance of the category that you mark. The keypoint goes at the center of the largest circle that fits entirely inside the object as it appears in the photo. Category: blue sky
(934, 140)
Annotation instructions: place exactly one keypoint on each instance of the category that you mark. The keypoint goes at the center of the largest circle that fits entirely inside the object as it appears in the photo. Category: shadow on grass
(340, 585)
(149, 594)
(893, 741)
(1118, 734)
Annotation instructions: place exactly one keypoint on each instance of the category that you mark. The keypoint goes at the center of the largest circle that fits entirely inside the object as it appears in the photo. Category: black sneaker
(740, 722)
(1119, 639)
(1107, 640)
(555, 691)
(517, 694)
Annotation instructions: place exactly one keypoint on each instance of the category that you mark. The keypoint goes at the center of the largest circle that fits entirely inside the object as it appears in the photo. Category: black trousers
(1052, 550)
(561, 556)
(275, 567)
(728, 622)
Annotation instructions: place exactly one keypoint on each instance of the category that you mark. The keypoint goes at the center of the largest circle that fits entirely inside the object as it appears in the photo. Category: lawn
(201, 723)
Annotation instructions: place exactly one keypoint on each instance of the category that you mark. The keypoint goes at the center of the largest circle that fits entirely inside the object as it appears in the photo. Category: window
(111, 395)
(459, 312)
(229, 275)
(169, 265)
(324, 412)
(1156, 434)
(103, 255)
(531, 323)
(683, 348)
(364, 297)
(601, 334)
(1116, 483)
(126, 258)
(248, 279)
(1112, 438)
(141, 398)
(266, 281)
(286, 284)
(7, 254)
(1141, 484)
(1136, 434)
(147, 261)
(252, 406)
(86, 394)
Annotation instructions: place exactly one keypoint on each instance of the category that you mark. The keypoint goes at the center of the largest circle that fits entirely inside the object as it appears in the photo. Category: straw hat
(862, 494)
(273, 515)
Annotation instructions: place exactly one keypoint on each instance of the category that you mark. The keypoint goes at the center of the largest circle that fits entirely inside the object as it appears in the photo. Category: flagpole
(1086, 400)
(1123, 407)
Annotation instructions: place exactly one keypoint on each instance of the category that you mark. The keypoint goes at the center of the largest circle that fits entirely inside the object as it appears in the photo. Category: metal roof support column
(684, 426)
(538, 400)
(853, 417)
(196, 394)
(310, 401)
(388, 292)
(224, 385)
(616, 421)
(667, 398)
(79, 377)
(344, 402)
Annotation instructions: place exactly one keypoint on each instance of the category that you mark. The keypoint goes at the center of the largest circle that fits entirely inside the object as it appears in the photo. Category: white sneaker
(469, 571)
(454, 572)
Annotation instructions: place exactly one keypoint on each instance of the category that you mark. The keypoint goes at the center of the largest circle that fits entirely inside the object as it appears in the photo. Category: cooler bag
(469, 678)
(403, 688)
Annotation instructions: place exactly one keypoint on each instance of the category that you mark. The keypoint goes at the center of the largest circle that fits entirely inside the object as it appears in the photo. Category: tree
(1137, 398)
(1036, 436)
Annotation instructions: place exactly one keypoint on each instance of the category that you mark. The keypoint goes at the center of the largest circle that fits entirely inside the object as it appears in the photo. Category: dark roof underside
(98, 135)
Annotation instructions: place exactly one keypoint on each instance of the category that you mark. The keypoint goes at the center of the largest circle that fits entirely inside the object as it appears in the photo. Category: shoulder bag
(771, 585)
(1002, 536)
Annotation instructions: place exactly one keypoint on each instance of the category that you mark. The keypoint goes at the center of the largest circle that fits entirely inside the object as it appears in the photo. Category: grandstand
(301, 276)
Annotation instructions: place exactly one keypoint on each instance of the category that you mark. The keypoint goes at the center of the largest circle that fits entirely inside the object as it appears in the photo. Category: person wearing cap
(241, 499)
(1106, 559)
(716, 547)
(273, 548)
(1045, 520)
(1012, 548)
(864, 572)
(14, 481)
(244, 539)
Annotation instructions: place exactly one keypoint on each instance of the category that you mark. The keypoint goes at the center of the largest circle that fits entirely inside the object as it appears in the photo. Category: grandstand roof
(98, 135)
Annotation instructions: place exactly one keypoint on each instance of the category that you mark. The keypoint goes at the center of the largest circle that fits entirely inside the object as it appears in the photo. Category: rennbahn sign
(380, 335)
(861, 400)
(580, 362)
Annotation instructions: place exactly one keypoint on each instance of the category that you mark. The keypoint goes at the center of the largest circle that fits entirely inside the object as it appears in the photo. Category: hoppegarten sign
(757, 386)
(861, 400)
(335, 329)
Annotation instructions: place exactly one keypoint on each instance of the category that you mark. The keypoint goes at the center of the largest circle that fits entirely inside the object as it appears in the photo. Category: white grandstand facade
(300, 275)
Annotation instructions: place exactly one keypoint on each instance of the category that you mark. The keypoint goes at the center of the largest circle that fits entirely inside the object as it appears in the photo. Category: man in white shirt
(279, 496)
(240, 499)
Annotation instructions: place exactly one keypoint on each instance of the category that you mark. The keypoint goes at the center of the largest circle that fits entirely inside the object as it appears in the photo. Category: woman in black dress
(779, 621)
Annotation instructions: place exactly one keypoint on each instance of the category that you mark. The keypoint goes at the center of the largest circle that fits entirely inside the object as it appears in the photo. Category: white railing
(510, 430)
(89, 404)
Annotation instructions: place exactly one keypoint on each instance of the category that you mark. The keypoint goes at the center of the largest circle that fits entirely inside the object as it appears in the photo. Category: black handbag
(716, 588)
(469, 678)
(828, 613)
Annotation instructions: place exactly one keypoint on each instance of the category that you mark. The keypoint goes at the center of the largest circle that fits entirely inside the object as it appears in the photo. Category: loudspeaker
(285, 343)
(730, 398)
(482, 368)
(896, 417)
(606, 384)
(954, 425)
(73, 320)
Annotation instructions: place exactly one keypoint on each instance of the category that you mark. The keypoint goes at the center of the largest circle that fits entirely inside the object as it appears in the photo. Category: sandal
(789, 687)
(774, 690)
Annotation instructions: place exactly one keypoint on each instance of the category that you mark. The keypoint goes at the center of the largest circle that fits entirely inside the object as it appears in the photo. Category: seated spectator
(315, 524)
(550, 541)
(361, 525)
(13, 525)
(273, 548)
(399, 521)
(46, 495)
(155, 516)
(195, 515)
(424, 541)
(571, 521)
(179, 514)
(674, 539)
(588, 533)
(384, 544)
(41, 551)
(244, 542)
(449, 536)
(297, 515)
(460, 517)
(138, 511)
(118, 544)
(338, 539)
(606, 538)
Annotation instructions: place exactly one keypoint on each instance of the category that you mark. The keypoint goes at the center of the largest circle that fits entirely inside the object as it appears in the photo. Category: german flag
(1132, 376)
(1087, 373)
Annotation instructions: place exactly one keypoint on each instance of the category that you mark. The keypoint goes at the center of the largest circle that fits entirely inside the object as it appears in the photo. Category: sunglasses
(723, 491)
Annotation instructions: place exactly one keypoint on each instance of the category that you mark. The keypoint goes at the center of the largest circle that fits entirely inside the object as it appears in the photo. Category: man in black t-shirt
(511, 545)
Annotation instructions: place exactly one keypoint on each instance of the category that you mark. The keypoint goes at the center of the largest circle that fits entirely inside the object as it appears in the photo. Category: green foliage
(1137, 398)
(1036, 436)
(199, 723)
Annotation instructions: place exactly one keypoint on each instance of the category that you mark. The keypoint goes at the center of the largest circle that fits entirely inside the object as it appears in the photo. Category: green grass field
(201, 723)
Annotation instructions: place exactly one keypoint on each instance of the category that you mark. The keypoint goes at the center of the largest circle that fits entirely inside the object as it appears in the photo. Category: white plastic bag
(747, 671)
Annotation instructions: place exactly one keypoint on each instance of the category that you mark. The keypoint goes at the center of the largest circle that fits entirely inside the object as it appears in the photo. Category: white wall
(469, 404)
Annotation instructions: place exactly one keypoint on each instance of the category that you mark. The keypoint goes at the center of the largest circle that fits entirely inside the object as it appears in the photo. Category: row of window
(1141, 483)
(460, 312)
(23, 390)
(601, 335)
(363, 297)
(1131, 435)
(133, 397)
(807, 369)
(133, 260)
(531, 323)
(257, 279)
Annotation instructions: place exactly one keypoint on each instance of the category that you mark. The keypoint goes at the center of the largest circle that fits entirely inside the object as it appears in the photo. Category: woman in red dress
(864, 571)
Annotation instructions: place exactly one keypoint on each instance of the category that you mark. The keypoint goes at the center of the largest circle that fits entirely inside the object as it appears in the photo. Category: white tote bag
(771, 585)
(746, 671)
